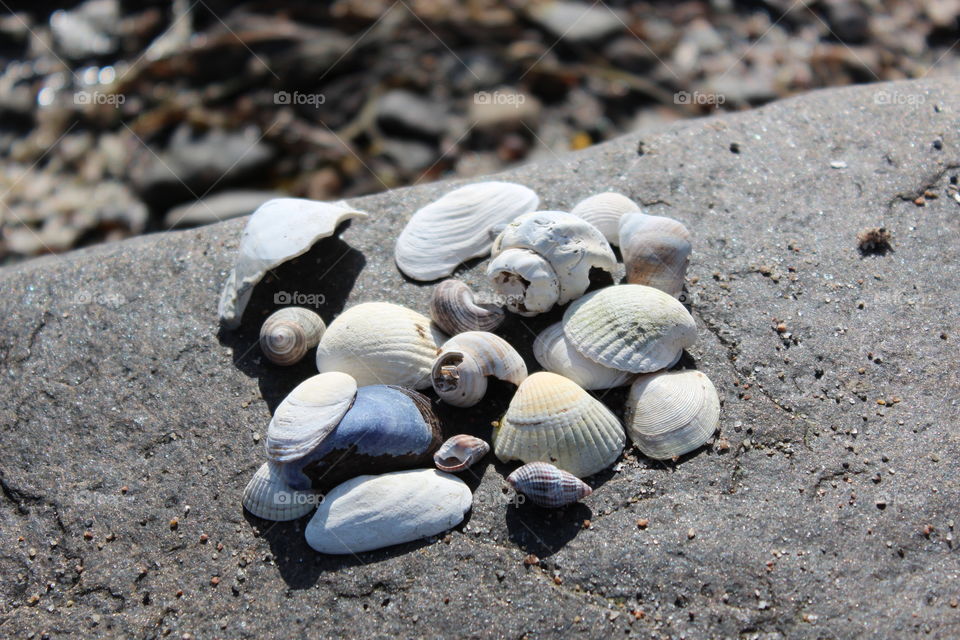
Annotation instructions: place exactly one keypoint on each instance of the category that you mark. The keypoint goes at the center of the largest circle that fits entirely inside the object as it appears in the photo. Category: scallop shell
(551, 419)
(460, 372)
(289, 333)
(604, 211)
(308, 415)
(630, 327)
(556, 354)
(460, 452)
(387, 428)
(372, 512)
(278, 231)
(381, 343)
(268, 496)
(453, 309)
(672, 413)
(458, 227)
(547, 486)
(656, 251)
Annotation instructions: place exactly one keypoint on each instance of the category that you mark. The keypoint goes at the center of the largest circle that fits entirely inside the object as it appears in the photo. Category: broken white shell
(278, 231)
(547, 486)
(459, 374)
(544, 258)
(381, 343)
(630, 327)
(672, 413)
(372, 512)
(551, 419)
(458, 227)
(267, 496)
(289, 333)
(453, 308)
(556, 354)
(656, 251)
(604, 211)
(459, 453)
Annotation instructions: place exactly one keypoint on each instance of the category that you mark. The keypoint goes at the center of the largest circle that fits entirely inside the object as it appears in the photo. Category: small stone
(643, 523)
(215, 580)
(203, 538)
(691, 534)
(88, 535)
(531, 560)
(881, 504)
(174, 523)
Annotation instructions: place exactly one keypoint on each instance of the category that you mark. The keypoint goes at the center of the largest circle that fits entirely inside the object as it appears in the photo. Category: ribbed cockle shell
(460, 452)
(268, 496)
(547, 486)
(289, 333)
(555, 353)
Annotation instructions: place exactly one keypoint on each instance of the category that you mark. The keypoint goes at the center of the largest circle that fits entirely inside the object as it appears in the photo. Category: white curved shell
(557, 355)
(551, 419)
(372, 512)
(459, 374)
(672, 413)
(381, 343)
(656, 251)
(278, 231)
(630, 327)
(524, 281)
(267, 496)
(604, 211)
(308, 415)
(458, 227)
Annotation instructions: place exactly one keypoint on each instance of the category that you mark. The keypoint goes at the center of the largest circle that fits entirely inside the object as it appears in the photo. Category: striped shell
(672, 413)
(604, 211)
(547, 486)
(460, 372)
(308, 414)
(453, 309)
(554, 353)
(459, 453)
(267, 496)
(289, 333)
(656, 251)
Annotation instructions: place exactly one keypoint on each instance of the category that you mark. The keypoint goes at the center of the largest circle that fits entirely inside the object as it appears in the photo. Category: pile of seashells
(354, 441)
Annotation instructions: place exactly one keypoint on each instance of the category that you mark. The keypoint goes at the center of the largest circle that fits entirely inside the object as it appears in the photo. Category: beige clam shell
(656, 251)
(381, 343)
(672, 413)
(269, 497)
(630, 327)
(555, 353)
(604, 211)
(289, 333)
(551, 419)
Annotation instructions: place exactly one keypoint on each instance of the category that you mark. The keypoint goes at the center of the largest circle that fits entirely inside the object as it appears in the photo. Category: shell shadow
(544, 532)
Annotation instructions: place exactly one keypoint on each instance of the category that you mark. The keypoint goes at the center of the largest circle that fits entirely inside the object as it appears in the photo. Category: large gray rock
(830, 515)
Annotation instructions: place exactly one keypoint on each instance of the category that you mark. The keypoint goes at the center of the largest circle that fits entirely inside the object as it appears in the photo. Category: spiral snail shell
(460, 452)
(289, 333)
(459, 373)
(454, 310)
(548, 486)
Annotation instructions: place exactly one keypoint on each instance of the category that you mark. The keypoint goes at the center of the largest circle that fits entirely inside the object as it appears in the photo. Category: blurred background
(121, 118)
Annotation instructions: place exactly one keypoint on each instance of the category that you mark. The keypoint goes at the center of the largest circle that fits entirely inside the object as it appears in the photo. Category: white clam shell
(278, 231)
(630, 327)
(551, 419)
(656, 251)
(308, 414)
(460, 372)
(556, 354)
(672, 413)
(604, 211)
(287, 335)
(457, 227)
(267, 496)
(372, 512)
(381, 343)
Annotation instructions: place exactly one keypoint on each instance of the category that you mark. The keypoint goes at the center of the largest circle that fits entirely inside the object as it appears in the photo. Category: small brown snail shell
(460, 452)
(454, 310)
(289, 333)
(547, 486)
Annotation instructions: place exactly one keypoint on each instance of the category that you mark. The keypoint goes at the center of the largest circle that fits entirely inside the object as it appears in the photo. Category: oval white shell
(551, 419)
(464, 362)
(308, 414)
(267, 496)
(458, 227)
(547, 486)
(630, 327)
(289, 333)
(278, 231)
(656, 251)
(672, 413)
(454, 309)
(372, 512)
(604, 211)
(556, 354)
(459, 453)
(381, 343)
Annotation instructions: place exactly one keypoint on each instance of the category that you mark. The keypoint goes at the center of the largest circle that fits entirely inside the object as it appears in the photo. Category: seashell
(308, 415)
(268, 496)
(278, 231)
(372, 512)
(453, 309)
(544, 258)
(459, 374)
(381, 343)
(656, 251)
(459, 453)
(551, 419)
(630, 327)
(555, 353)
(457, 227)
(289, 333)
(547, 486)
(672, 413)
(387, 428)
(604, 211)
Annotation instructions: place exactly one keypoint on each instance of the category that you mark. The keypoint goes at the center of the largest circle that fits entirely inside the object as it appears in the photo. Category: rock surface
(129, 426)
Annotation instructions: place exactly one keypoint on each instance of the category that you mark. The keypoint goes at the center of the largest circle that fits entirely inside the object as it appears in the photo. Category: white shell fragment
(556, 354)
(372, 512)
(672, 413)
(308, 414)
(267, 496)
(459, 374)
(630, 327)
(458, 227)
(278, 231)
(381, 343)
(656, 251)
(287, 335)
(604, 211)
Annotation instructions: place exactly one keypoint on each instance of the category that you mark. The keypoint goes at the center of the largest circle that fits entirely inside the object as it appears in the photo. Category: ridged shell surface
(308, 415)
(373, 512)
(381, 343)
(630, 327)
(556, 354)
(551, 419)
(604, 211)
(458, 227)
(460, 452)
(289, 333)
(656, 251)
(454, 310)
(267, 496)
(672, 413)
(547, 486)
